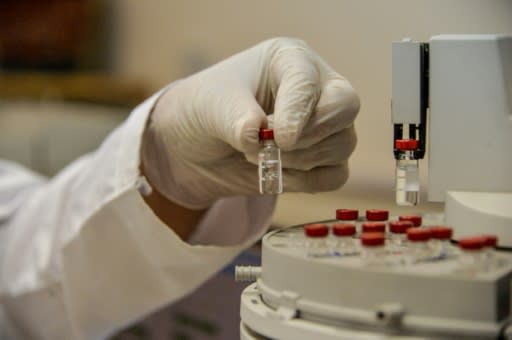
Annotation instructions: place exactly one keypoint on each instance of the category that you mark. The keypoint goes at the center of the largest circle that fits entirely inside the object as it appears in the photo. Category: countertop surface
(362, 191)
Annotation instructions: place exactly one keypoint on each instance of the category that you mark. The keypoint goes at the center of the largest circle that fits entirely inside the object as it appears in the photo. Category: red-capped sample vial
(407, 181)
(440, 241)
(398, 231)
(373, 227)
(418, 246)
(471, 258)
(344, 237)
(347, 214)
(373, 249)
(416, 220)
(269, 164)
(377, 215)
(490, 260)
(316, 239)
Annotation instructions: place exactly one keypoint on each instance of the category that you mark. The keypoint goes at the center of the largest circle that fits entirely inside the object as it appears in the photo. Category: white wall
(162, 40)
(47, 135)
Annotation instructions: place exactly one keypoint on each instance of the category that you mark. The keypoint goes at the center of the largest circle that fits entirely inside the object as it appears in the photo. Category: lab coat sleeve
(83, 255)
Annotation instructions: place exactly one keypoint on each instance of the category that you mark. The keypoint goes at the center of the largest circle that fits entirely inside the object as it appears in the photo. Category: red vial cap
(400, 227)
(441, 232)
(406, 144)
(372, 239)
(490, 240)
(344, 229)
(472, 243)
(418, 234)
(347, 214)
(377, 215)
(266, 134)
(316, 230)
(371, 227)
(415, 219)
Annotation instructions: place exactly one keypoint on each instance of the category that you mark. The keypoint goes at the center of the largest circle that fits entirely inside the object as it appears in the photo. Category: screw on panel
(390, 314)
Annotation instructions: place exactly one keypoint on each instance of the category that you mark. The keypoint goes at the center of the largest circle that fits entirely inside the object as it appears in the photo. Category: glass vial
(440, 242)
(377, 215)
(373, 227)
(398, 231)
(416, 220)
(344, 238)
(490, 259)
(472, 255)
(269, 164)
(407, 182)
(316, 239)
(418, 246)
(347, 214)
(373, 249)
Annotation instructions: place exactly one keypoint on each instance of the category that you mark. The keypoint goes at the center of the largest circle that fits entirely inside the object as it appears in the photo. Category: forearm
(181, 220)
(84, 254)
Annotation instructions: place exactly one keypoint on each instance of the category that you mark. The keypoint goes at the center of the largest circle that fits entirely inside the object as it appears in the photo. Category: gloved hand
(201, 142)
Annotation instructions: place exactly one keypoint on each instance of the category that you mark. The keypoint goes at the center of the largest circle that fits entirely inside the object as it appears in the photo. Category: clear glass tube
(344, 245)
(317, 246)
(269, 168)
(442, 248)
(490, 262)
(373, 249)
(418, 251)
(472, 255)
(407, 182)
(374, 256)
(471, 261)
(399, 240)
(398, 249)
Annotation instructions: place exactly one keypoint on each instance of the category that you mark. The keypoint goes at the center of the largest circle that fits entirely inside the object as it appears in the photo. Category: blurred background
(71, 70)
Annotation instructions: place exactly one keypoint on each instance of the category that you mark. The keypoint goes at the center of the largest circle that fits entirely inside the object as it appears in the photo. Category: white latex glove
(202, 139)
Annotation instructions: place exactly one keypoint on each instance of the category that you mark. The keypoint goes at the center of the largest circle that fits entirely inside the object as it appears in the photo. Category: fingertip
(352, 102)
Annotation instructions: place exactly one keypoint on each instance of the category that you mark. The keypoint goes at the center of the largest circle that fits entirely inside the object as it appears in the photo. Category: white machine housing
(339, 297)
(470, 114)
(469, 126)
(465, 83)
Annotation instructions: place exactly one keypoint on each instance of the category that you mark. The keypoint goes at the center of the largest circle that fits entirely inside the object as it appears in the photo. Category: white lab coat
(82, 255)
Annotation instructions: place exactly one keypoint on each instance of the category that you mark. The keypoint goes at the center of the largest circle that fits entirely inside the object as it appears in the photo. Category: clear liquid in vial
(270, 177)
(407, 182)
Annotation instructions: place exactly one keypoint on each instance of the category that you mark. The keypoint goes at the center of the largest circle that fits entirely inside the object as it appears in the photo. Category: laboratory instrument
(429, 288)
(375, 291)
